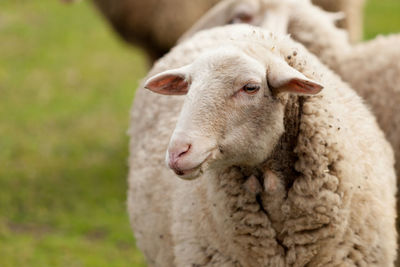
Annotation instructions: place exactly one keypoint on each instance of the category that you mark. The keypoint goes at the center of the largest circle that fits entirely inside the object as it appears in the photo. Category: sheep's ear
(283, 78)
(171, 82)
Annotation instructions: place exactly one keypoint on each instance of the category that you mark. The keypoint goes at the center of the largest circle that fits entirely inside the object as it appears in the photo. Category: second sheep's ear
(171, 82)
(283, 78)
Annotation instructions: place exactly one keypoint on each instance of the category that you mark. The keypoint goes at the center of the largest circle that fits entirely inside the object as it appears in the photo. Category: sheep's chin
(191, 174)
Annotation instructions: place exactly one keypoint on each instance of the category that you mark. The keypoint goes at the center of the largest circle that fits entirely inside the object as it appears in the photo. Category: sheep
(275, 170)
(157, 24)
(372, 68)
(153, 24)
(353, 15)
(255, 12)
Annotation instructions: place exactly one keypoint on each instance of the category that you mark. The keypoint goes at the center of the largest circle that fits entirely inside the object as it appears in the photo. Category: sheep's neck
(258, 212)
(278, 171)
(283, 156)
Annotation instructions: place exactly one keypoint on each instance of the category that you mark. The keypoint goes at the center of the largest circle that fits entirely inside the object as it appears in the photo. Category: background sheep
(289, 179)
(155, 25)
(353, 11)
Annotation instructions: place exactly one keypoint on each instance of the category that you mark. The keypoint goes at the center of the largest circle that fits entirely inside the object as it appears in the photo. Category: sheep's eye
(241, 18)
(251, 89)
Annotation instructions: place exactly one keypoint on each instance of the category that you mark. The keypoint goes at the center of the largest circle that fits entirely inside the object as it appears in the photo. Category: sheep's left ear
(283, 78)
(170, 82)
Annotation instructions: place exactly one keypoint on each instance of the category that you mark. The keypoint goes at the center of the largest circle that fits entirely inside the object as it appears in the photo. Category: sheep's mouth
(190, 174)
(195, 172)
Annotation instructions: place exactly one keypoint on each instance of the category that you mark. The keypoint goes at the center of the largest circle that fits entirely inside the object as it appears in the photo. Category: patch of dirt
(97, 234)
(34, 229)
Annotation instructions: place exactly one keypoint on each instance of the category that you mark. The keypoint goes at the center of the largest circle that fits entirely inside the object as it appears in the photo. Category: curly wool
(372, 68)
(331, 208)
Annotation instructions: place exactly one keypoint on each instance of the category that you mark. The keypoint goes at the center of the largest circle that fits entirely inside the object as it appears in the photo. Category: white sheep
(285, 176)
(157, 24)
(372, 68)
(273, 13)
(353, 15)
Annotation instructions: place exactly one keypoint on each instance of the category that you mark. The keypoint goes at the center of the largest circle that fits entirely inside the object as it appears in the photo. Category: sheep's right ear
(283, 78)
(171, 82)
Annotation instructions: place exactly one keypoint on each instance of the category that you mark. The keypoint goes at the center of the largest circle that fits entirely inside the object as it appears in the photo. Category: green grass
(381, 17)
(66, 86)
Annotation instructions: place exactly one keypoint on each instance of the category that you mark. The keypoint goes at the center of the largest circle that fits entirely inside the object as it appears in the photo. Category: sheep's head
(232, 114)
(271, 14)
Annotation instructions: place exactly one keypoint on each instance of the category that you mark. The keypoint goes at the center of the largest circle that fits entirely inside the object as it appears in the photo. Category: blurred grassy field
(66, 86)
(381, 17)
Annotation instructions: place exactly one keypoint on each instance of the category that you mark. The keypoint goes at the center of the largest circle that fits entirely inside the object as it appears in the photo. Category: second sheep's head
(270, 14)
(232, 114)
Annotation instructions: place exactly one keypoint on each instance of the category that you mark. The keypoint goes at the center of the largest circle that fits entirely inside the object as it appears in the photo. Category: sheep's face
(231, 114)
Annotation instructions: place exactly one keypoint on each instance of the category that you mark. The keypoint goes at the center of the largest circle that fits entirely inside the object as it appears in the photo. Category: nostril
(177, 153)
(184, 151)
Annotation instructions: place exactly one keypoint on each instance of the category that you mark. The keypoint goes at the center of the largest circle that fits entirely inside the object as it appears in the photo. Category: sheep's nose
(176, 154)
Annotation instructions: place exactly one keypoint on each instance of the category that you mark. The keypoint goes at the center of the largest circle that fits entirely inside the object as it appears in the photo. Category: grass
(381, 17)
(66, 86)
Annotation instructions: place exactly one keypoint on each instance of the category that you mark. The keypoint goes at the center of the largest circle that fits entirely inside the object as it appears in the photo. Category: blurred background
(67, 82)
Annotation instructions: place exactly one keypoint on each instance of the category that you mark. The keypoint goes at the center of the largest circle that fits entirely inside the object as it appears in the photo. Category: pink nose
(176, 154)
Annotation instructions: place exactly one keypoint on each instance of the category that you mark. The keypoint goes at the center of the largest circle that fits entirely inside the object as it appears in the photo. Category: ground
(66, 86)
